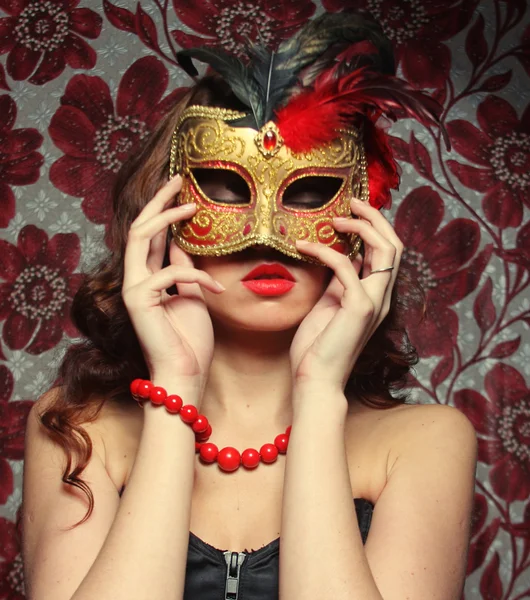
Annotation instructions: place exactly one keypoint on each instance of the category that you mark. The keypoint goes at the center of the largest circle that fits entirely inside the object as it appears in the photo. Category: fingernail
(188, 206)
(177, 176)
(340, 219)
(219, 285)
(303, 242)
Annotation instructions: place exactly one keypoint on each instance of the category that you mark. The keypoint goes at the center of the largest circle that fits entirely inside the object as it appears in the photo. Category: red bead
(205, 435)
(144, 389)
(200, 424)
(188, 413)
(269, 140)
(269, 453)
(157, 395)
(229, 459)
(173, 404)
(134, 386)
(281, 442)
(250, 458)
(208, 452)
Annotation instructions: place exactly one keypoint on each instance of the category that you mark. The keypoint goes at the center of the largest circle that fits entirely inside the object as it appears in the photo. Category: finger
(341, 265)
(157, 251)
(160, 200)
(381, 253)
(139, 240)
(352, 322)
(376, 219)
(147, 292)
(180, 258)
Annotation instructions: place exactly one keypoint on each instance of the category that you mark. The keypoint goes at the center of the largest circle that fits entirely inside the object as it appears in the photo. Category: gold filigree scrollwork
(204, 136)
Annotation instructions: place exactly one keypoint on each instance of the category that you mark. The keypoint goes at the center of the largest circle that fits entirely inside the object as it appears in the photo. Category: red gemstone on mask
(282, 229)
(246, 229)
(270, 140)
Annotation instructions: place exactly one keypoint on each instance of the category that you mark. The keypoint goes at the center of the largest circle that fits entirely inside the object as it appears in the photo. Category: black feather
(318, 43)
(235, 73)
(270, 77)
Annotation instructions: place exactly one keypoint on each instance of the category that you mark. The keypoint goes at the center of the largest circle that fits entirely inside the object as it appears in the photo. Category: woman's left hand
(331, 337)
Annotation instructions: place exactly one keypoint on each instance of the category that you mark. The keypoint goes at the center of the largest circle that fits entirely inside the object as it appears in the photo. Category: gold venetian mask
(279, 196)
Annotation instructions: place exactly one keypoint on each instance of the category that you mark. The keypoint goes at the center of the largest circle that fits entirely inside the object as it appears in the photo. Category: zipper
(233, 560)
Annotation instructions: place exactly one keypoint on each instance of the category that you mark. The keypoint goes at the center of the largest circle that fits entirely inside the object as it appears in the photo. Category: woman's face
(244, 305)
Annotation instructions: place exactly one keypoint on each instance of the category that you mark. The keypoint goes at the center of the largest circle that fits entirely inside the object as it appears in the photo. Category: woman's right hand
(175, 331)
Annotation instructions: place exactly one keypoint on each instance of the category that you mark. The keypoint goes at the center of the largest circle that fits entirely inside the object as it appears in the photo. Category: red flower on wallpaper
(11, 569)
(501, 148)
(438, 261)
(20, 163)
(417, 30)
(520, 255)
(230, 23)
(43, 36)
(502, 422)
(96, 138)
(38, 288)
(13, 416)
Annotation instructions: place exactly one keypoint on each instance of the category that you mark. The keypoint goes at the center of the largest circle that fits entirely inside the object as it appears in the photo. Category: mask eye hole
(313, 191)
(222, 185)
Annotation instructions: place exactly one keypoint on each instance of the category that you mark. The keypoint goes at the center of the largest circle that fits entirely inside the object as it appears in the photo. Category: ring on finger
(391, 268)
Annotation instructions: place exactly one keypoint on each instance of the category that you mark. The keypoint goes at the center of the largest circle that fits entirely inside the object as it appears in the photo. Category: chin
(267, 314)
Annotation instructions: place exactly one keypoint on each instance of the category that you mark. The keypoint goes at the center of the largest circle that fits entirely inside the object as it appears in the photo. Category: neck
(250, 378)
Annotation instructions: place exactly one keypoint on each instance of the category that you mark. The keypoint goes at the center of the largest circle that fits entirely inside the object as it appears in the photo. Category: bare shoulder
(57, 555)
(114, 433)
(405, 423)
(428, 455)
(377, 440)
(117, 429)
(417, 424)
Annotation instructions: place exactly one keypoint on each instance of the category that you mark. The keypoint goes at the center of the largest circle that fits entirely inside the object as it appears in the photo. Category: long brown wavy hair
(100, 368)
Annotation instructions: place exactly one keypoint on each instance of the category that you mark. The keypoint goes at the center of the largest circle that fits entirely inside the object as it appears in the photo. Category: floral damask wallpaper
(82, 82)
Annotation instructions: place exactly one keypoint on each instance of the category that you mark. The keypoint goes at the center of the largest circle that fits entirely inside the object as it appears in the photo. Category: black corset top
(213, 574)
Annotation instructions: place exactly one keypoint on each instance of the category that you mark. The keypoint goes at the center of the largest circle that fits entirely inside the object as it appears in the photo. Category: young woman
(259, 311)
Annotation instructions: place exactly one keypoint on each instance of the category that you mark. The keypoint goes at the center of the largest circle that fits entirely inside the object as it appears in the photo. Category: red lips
(266, 271)
(269, 280)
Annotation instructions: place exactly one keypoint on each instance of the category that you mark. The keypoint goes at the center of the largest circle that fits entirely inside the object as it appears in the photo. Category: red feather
(383, 171)
(313, 118)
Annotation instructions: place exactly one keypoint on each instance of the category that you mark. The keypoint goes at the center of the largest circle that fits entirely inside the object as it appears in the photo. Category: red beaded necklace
(229, 459)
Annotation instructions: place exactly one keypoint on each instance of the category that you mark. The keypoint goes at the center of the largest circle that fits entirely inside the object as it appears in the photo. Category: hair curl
(101, 367)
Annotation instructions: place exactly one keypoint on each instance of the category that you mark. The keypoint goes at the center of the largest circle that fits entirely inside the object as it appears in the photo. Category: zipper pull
(233, 560)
